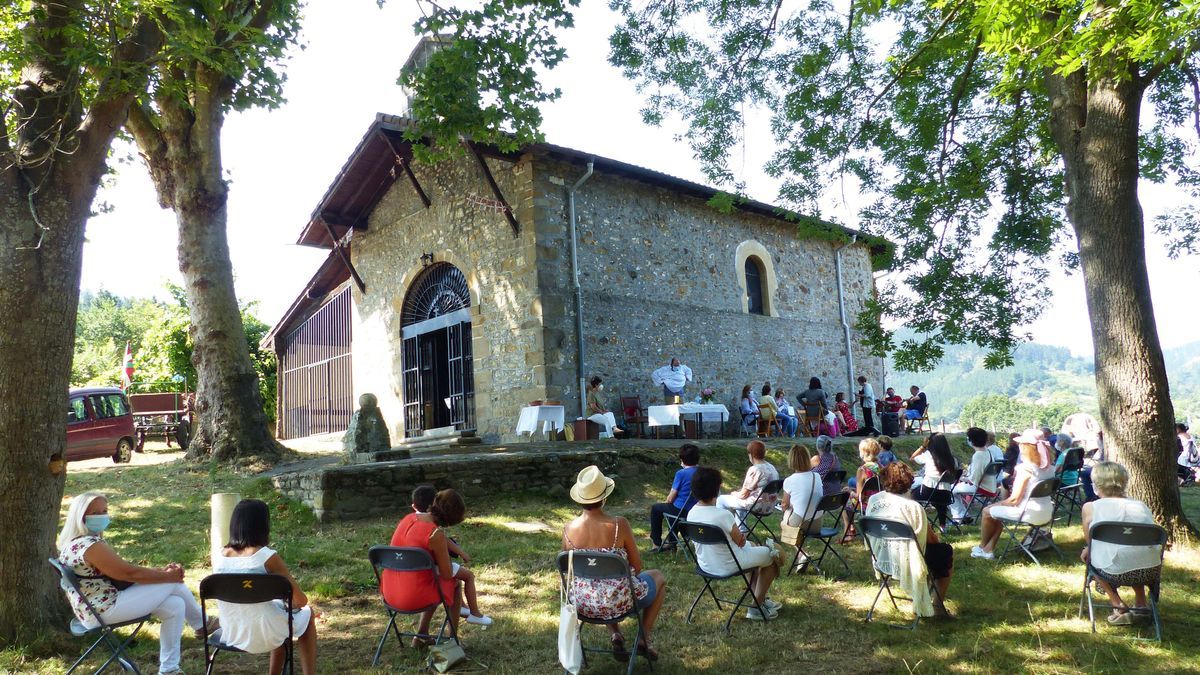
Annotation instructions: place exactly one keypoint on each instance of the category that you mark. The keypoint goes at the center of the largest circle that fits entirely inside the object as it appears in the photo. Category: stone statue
(367, 432)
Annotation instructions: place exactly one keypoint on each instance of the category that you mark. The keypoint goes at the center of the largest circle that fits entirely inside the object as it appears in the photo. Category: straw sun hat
(591, 486)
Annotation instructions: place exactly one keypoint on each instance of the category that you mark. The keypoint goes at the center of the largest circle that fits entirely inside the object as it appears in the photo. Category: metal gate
(316, 392)
(437, 373)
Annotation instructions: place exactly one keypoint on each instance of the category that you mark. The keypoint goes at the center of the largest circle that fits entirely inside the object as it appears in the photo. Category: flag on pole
(127, 369)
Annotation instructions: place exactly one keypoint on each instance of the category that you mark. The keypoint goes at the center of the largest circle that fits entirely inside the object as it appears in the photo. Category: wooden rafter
(362, 287)
(404, 159)
(491, 181)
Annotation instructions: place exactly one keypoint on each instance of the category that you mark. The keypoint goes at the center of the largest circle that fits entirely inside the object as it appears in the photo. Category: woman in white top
(1117, 564)
(759, 561)
(263, 627)
(973, 479)
(802, 491)
(119, 590)
(1189, 454)
(1034, 467)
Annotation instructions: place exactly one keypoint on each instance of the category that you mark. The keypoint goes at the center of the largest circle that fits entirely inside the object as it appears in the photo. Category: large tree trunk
(1096, 127)
(181, 145)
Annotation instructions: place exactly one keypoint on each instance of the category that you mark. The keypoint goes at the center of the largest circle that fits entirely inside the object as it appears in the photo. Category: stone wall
(365, 490)
(506, 310)
(662, 275)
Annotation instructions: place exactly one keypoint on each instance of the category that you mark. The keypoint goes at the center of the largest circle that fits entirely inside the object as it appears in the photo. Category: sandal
(618, 645)
(647, 651)
(418, 642)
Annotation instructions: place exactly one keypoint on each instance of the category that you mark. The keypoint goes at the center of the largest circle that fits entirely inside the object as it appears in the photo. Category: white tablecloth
(540, 415)
(668, 415)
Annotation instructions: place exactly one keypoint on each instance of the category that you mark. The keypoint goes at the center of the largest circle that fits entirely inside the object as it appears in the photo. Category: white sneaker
(464, 612)
(771, 606)
(754, 615)
(978, 552)
(479, 620)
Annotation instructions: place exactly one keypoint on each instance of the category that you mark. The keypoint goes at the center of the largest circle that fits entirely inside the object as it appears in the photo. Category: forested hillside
(1043, 374)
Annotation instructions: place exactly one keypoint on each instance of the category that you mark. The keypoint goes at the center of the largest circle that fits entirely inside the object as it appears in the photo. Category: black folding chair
(1041, 489)
(597, 566)
(105, 632)
(244, 589)
(883, 531)
(1127, 534)
(759, 510)
(839, 476)
(710, 535)
(676, 533)
(831, 505)
(980, 501)
(1069, 498)
(940, 498)
(409, 559)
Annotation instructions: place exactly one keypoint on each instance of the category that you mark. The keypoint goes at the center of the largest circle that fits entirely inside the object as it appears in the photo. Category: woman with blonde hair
(1117, 564)
(802, 491)
(119, 590)
(1035, 466)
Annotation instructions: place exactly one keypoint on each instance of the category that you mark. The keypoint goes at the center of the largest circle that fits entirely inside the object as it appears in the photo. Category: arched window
(754, 286)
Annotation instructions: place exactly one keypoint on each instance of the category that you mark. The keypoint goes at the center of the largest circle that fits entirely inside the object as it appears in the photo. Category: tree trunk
(229, 405)
(1097, 131)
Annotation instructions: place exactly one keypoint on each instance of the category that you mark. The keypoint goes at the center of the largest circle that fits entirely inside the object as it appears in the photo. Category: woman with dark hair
(897, 555)
(937, 459)
(844, 413)
(598, 412)
(749, 409)
(595, 530)
(1189, 456)
(815, 394)
(263, 627)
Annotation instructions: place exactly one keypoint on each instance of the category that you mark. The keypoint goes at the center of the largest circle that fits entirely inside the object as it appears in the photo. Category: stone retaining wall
(384, 488)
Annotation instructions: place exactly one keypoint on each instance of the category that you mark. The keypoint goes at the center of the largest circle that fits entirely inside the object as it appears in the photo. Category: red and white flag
(127, 368)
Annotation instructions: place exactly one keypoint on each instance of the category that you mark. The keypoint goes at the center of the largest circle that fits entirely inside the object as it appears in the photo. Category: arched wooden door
(438, 376)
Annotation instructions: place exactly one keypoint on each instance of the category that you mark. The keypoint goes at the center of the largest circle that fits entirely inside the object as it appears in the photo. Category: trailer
(167, 414)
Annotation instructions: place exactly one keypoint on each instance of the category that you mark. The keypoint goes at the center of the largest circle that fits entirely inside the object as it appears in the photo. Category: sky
(280, 163)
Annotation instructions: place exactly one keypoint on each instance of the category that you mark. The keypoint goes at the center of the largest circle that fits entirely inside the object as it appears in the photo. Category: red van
(99, 424)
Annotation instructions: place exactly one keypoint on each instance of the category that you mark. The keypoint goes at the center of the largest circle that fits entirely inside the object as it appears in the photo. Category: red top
(413, 590)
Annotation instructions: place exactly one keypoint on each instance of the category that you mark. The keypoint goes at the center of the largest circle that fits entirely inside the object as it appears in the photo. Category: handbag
(570, 649)
(445, 656)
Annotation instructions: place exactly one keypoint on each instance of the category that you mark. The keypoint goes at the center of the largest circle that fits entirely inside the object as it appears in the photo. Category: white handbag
(570, 649)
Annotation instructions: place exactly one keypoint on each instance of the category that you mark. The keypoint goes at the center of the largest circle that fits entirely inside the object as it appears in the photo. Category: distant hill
(1042, 374)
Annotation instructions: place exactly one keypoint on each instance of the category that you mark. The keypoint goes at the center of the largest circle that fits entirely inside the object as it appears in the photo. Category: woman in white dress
(1035, 466)
(263, 627)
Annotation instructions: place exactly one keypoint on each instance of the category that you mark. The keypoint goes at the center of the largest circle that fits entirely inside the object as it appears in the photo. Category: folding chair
(1069, 497)
(940, 498)
(409, 559)
(597, 566)
(919, 424)
(1127, 534)
(813, 414)
(759, 510)
(676, 532)
(839, 476)
(886, 530)
(765, 426)
(710, 535)
(980, 500)
(870, 485)
(1043, 488)
(244, 589)
(106, 634)
(831, 505)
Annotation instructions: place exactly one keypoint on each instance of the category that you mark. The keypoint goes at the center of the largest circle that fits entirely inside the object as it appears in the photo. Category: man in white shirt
(866, 394)
(673, 378)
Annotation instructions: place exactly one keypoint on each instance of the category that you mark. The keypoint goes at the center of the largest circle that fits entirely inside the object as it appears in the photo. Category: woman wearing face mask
(598, 412)
(120, 590)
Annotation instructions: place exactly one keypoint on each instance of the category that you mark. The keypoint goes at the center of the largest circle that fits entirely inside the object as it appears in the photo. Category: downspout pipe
(579, 366)
(837, 263)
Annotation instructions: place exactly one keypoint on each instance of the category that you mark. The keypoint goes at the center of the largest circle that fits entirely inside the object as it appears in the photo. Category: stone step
(424, 444)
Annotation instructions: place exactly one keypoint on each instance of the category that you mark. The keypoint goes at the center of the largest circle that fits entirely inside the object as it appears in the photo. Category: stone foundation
(384, 488)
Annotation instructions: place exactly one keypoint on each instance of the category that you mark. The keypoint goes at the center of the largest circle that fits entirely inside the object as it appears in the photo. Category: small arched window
(754, 286)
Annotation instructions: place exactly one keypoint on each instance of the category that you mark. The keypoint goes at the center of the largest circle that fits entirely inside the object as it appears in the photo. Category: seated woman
(159, 592)
(802, 491)
(758, 475)
(868, 452)
(825, 463)
(787, 414)
(595, 530)
(263, 627)
(759, 561)
(1116, 564)
(893, 557)
(767, 409)
(749, 409)
(1062, 444)
(1033, 467)
(844, 414)
(974, 482)
(1188, 461)
(937, 459)
(679, 499)
(412, 590)
(598, 412)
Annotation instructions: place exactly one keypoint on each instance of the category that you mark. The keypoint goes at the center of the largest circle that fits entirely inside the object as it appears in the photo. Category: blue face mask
(675, 368)
(97, 523)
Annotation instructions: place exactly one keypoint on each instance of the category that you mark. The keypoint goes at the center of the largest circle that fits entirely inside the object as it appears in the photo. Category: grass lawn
(1012, 617)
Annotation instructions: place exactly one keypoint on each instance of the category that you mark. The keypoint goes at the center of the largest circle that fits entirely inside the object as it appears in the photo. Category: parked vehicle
(99, 424)
(166, 414)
